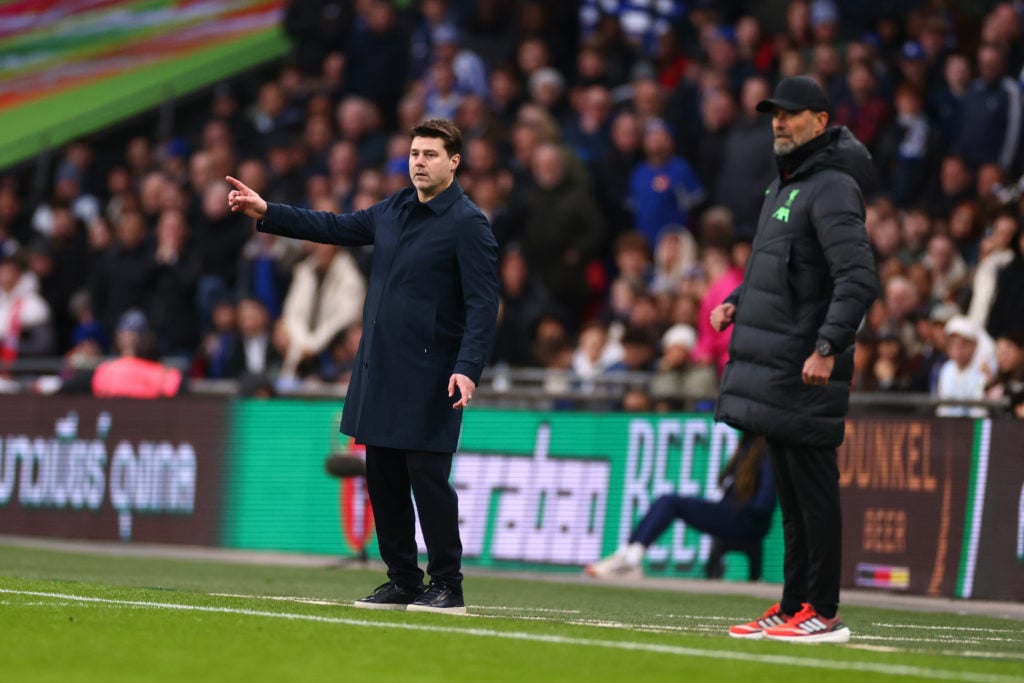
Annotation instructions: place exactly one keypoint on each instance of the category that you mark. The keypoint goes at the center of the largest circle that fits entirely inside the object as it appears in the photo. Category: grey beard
(784, 147)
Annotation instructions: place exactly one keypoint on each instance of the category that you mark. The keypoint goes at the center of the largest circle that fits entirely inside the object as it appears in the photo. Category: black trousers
(807, 483)
(390, 474)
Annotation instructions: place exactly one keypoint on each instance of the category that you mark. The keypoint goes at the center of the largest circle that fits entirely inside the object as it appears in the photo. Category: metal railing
(503, 387)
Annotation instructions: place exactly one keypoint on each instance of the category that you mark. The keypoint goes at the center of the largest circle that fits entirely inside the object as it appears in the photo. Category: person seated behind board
(744, 511)
(135, 373)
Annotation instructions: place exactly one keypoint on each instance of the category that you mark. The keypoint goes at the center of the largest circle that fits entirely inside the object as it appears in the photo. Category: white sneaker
(614, 567)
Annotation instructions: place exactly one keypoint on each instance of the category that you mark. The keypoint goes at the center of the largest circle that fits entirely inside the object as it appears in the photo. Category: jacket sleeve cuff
(269, 218)
(470, 370)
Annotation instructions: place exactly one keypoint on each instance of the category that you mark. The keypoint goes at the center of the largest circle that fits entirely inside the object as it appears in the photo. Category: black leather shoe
(390, 596)
(441, 599)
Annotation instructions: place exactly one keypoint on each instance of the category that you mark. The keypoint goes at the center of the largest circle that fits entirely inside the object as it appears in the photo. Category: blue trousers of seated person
(718, 518)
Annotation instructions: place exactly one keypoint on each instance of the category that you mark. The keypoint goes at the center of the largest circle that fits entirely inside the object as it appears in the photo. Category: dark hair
(442, 129)
(147, 347)
(632, 240)
(637, 336)
(745, 466)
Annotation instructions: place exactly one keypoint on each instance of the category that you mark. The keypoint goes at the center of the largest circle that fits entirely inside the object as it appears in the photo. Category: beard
(784, 146)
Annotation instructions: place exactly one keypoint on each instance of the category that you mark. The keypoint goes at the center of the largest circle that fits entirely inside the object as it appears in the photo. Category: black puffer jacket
(811, 274)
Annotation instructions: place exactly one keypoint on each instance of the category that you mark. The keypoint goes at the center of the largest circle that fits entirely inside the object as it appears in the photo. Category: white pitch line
(311, 601)
(282, 598)
(784, 660)
(1017, 631)
(526, 609)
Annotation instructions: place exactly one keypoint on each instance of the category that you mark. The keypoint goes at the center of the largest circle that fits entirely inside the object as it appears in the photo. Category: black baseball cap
(796, 93)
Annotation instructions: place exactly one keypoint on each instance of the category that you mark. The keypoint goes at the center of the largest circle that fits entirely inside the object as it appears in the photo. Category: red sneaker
(755, 629)
(807, 626)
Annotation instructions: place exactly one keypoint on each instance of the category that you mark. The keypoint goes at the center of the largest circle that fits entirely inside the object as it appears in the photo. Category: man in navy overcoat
(428, 324)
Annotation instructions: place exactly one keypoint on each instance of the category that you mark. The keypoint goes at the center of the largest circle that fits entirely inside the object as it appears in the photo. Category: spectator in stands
(563, 230)
(504, 95)
(87, 331)
(474, 115)
(428, 17)
(121, 277)
(339, 360)
(636, 398)
(945, 102)
(378, 56)
(642, 24)
(61, 269)
(947, 266)
(595, 351)
(612, 171)
(956, 184)
(915, 229)
(679, 383)
(524, 302)
(1008, 305)
(864, 353)
(747, 166)
(632, 255)
(255, 352)
(219, 238)
(931, 354)
(489, 31)
(886, 238)
(488, 194)
(991, 116)
(829, 69)
(900, 301)
(712, 348)
(317, 27)
(171, 306)
(359, 123)
(547, 89)
(959, 378)
(891, 368)
(325, 297)
(909, 150)
(26, 326)
(865, 111)
(675, 255)
(587, 131)
(442, 96)
(67, 192)
(15, 228)
(273, 113)
(638, 351)
(965, 228)
(317, 137)
(218, 342)
(717, 115)
(1008, 382)
(468, 69)
(744, 512)
(137, 371)
(663, 189)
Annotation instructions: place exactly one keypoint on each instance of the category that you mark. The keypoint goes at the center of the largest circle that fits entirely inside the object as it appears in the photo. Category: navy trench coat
(431, 310)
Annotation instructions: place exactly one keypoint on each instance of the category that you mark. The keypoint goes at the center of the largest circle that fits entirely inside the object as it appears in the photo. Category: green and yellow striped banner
(68, 68)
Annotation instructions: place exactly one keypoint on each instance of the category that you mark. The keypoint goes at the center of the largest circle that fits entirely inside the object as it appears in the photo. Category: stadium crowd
(615, 147)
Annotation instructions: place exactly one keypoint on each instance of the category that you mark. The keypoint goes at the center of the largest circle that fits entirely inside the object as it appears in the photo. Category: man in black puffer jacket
(809, 281)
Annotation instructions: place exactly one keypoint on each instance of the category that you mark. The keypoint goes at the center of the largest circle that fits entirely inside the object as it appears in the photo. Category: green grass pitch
(105, 617)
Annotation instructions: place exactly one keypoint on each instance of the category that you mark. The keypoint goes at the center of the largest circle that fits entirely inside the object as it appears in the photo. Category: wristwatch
(824, 347)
